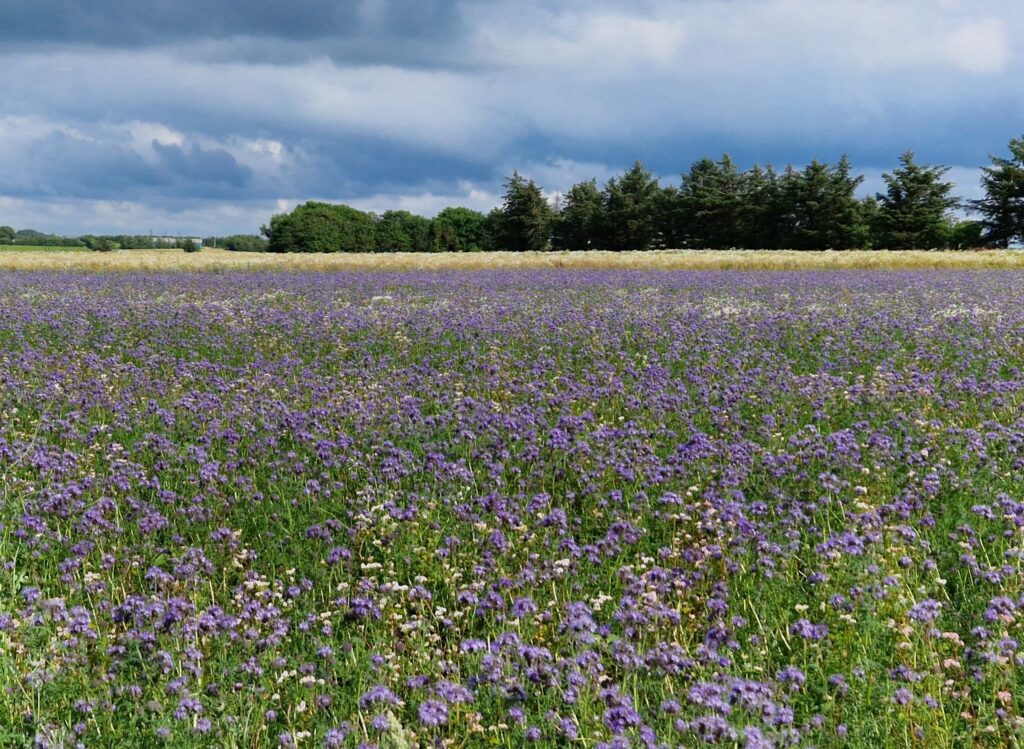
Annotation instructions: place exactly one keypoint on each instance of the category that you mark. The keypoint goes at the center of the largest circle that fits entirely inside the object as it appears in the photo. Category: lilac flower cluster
(623, 509)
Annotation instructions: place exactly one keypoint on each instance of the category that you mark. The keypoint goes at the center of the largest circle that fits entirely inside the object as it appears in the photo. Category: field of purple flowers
(595, 509)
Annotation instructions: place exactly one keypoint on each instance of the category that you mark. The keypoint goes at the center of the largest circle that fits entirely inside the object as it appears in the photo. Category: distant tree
(458, 230)
(914, 210)
(579, 222)
(669, 231)
(239, 243)
(818, 208)
(103, 244)
(526, 215)
(1002, 208)
(759, 215)
(190, 246)
(710, 204)
(7, 234)
(493, 234)
(870, 222)
(132, 241)
(401, 231)
(966, 235)
(37, 238)
(320, 227)
(631, 203)
(30, 236)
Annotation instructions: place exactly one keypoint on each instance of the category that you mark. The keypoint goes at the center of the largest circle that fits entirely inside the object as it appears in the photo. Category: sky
(208, 116)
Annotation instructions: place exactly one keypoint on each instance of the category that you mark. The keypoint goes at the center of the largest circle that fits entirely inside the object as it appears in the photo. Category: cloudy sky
(207, 116)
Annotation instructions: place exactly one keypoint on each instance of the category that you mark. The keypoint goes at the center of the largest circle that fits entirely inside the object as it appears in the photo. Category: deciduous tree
(321, 227)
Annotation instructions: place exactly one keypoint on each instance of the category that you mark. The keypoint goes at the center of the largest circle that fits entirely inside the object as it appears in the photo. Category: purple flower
(378, 695)
(617, 719)
(522, 607)
(452, 693)
(433, 713)
(808, 631)
(569, 728)
(336, 737)
(902, 696)
(793, 676)
(926, 611)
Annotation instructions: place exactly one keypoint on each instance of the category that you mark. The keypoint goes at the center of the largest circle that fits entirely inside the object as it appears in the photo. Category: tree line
(11, 236)
(715, 206)
(99, 243)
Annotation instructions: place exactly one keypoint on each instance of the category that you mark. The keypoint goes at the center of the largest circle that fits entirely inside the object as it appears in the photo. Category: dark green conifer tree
(579, 223)
(1002, 208)
(631, 203)
(527, 216)
(819, 210)
(913, 212)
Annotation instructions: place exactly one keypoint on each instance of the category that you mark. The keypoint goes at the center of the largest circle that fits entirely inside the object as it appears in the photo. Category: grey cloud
(385, 31)
(60, 164)
(196, 164)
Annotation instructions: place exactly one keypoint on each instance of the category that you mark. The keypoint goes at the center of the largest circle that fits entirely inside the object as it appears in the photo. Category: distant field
(31, 248)
(50, 258)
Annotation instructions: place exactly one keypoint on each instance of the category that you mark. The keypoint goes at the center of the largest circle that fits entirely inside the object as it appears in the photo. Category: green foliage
(7, 234)
(869, 221)
(669, 234)
(102, 244)
(401, 231)
(913, 211)
(966, 235)
(709, 205)
(759, 217)
(459, 230)
(190, 246)
(36, 238)
(526, 215)
(239, 243)
(133, 241)
(631, 202)
(819, 210)
(321, 227)
(494, 230)
(579, 223)
(1002, 208)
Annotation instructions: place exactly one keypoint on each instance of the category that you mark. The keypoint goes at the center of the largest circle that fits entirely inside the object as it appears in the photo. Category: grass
(32, 248)
(49, 258)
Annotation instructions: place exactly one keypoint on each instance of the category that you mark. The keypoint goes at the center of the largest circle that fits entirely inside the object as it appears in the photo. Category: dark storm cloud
(411, 31)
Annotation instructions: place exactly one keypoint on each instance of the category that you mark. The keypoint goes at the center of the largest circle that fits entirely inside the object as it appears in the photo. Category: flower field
(564, 508)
